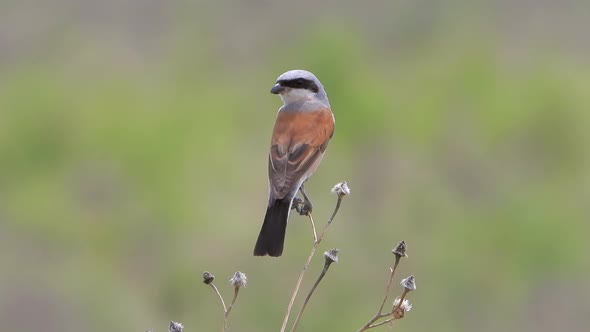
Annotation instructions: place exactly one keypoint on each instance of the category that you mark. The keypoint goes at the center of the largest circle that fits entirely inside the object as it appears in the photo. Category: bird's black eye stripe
(300, 83)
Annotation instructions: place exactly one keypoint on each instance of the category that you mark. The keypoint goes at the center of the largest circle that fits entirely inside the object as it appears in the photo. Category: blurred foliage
(127, 171)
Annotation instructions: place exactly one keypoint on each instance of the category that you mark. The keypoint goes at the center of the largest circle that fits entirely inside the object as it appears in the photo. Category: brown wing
(298, 142)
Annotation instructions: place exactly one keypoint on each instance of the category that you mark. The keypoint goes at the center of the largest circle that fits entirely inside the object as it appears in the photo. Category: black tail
(272, 235)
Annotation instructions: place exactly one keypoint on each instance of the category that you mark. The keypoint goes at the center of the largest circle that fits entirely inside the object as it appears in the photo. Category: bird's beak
(277, 89)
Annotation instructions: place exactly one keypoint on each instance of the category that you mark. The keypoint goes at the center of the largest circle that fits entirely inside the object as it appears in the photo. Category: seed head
(341, 189)
(399, 309)
(175, 327)
(331, 256)
(400, 249)
(409, 283)
(208, 277)
(405, 305)
(239, 279)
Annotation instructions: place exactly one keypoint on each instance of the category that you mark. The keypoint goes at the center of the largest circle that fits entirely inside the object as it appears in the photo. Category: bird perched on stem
(302, 130)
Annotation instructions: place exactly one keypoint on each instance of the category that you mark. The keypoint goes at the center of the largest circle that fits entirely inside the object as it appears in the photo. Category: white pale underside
(296, 95)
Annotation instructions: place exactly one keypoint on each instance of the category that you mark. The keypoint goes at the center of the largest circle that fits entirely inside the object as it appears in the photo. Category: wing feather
(298, 143)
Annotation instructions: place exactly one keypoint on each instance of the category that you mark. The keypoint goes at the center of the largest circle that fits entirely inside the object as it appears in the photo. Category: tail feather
(272, 235)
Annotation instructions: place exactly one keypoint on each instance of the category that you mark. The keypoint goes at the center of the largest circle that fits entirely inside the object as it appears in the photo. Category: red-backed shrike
(302, 130)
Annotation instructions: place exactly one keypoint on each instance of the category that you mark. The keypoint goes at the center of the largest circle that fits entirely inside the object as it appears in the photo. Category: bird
(303, 128)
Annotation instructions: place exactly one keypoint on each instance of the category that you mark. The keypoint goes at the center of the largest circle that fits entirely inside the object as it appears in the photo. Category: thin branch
(388, 288)
(380, 314)
(315, 285)
(228, 311)
(315, 235)
(298, 284)
(371, 324)
(306, 266)
(389, 320)
(335, 209)
(219, 295)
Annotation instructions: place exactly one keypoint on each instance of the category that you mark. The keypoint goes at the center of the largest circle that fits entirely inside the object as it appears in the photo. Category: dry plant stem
(298, 284)
(228, 311)
(381, 323)
(395, 307)
(306, 266)
(402, 297)
(315, 234)
(388, 288)
(335, 209)
(315, 285)
(219, 296)
(380, 314)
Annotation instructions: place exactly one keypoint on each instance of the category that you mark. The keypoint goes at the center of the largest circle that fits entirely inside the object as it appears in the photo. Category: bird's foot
(306, 208)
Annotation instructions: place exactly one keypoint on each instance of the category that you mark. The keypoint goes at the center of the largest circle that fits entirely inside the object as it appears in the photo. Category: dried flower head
(208, 277)
(400, 249)
(239, 279)
(399, 309)
(341, 189)
(405, 305)
(409, 283)
(175, 327)
(331, 256)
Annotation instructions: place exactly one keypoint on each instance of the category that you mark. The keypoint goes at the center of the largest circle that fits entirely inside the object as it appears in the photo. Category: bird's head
(297, 86)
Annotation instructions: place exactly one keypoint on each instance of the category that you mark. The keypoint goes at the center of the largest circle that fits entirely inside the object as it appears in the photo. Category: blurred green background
(133, 149)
